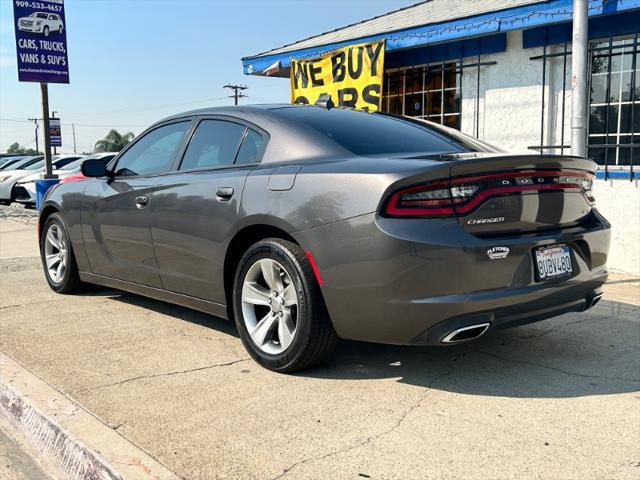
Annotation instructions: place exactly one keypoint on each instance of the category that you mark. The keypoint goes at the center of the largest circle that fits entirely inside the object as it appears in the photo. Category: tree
(113, 142)
(16, 149)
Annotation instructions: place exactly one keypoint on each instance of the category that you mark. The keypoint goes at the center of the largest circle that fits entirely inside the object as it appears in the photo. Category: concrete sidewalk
(558, 399)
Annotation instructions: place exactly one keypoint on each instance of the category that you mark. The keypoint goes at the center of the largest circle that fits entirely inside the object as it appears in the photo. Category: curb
(67, 436)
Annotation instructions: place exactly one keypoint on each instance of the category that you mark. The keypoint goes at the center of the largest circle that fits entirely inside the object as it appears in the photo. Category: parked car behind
(6, 161)
(24, 190)
(8, 178)
(22, 162)
(41, 22)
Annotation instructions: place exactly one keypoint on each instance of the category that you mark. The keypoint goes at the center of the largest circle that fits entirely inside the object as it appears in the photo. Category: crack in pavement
(31, 303)
(547, 332)
(549, 367)
(165, 374)
(371, 438)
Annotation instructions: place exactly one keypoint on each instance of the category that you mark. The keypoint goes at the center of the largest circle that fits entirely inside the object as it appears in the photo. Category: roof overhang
(518, 18)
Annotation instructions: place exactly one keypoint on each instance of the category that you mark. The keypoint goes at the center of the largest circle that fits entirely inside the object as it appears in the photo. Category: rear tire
(58, 260)
(46, 31)
(281, 317)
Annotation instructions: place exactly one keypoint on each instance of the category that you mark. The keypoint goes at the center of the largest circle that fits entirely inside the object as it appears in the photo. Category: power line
(236, 89)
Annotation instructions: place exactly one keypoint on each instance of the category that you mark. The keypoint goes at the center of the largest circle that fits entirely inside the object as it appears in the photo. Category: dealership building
(500, 70)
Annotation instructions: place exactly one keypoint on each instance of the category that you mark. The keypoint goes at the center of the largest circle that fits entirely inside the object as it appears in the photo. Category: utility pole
(35, 121)
(73, 127)
(236, 89)
(579, 53)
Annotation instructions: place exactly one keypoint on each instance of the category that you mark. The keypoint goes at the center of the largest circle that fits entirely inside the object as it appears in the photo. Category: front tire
(58, 260)
(278, 307)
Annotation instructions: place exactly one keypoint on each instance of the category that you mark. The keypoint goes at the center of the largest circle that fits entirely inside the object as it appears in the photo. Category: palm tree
(113, 142)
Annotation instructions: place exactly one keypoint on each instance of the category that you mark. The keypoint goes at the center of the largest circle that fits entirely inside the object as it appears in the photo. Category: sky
(133, 62)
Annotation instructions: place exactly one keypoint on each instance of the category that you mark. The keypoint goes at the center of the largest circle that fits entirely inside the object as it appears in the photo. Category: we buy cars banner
(41, 41)
(352, 76)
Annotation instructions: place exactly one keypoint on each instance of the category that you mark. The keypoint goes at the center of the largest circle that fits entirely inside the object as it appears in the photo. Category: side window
(152, 153)
(213, 144)
(250, 148)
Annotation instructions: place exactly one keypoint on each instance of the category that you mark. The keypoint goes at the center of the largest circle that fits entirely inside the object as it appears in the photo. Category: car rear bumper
(412, 281)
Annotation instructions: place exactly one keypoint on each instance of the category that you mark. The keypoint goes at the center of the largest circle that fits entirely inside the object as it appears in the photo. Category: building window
(431, 92)
(614, 115)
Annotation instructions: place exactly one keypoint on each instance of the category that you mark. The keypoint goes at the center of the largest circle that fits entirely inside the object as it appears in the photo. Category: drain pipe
(579, 52)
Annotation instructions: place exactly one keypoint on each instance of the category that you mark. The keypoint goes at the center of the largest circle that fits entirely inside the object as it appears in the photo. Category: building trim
(524, 17)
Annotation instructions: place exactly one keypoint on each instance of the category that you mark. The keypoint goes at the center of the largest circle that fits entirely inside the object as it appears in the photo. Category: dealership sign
(351, 76)
(55, 134)
(41, 41)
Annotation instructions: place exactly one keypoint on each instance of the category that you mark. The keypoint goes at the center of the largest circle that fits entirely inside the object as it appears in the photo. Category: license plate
(553, 262)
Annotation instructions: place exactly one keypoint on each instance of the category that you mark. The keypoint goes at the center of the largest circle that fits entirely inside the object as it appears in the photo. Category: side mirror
(94, 168)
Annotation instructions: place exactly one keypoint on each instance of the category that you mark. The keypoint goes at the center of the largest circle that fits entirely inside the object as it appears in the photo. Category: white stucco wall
(510, 117)
(510, 107)
(619, 202)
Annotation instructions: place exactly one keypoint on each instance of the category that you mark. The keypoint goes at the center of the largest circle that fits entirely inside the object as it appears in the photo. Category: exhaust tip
(466, 333)
(595, 299)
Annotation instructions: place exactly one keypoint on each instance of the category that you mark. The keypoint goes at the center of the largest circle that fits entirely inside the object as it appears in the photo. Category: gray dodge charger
(306, 224)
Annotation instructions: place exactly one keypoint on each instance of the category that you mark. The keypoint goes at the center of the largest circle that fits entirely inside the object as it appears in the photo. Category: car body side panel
(328, 191)
(192, 228)
(117, 234)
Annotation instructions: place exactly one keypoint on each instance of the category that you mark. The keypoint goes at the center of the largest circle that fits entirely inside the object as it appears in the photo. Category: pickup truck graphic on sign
(41, 22)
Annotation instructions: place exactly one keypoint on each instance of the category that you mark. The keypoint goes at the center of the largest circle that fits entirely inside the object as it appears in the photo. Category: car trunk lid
(522, 193)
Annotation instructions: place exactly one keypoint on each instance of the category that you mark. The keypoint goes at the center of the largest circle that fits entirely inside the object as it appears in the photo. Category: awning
(518, 18)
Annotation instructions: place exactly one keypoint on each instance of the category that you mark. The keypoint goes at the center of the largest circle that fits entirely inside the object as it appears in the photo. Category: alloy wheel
(270, 306)
(56, 253)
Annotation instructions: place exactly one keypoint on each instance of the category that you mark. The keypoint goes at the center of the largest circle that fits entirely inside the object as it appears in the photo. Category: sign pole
(44, 89)
(55, 150)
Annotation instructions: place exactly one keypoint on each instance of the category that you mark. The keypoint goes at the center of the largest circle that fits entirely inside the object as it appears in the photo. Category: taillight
(462, 195)
(435, 199)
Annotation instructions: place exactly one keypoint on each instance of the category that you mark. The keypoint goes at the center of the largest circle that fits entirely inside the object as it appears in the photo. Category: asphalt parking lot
(558, 399)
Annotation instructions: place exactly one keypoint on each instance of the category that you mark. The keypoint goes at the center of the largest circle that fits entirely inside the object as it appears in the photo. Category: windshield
(368, 134)
(35, 166)
(75, 164)
(38, 15)
(20, 164)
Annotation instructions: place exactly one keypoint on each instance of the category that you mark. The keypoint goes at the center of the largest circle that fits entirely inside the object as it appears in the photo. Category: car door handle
(141, 201)
(224, 194)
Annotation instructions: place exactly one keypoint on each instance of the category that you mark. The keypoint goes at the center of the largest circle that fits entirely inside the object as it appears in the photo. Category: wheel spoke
(285, 330)
(52, 260)
(60, 271)
(52, 238)
(262, 329)
(255, 294)
(289, 296)
(271, 274)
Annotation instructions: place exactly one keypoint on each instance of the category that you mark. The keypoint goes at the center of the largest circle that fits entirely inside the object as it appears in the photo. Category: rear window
(369, 134)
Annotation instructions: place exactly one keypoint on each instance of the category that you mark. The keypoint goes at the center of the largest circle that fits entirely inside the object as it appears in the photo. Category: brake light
(464, 194)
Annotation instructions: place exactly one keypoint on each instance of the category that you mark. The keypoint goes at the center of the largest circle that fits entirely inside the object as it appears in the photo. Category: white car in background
(8, 178)
(24, 190)
(41, 22)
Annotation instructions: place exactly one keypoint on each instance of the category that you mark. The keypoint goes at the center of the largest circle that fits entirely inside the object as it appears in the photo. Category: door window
(153, 153)
(250, 148)
(214, 144)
